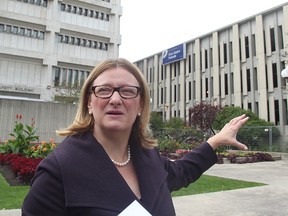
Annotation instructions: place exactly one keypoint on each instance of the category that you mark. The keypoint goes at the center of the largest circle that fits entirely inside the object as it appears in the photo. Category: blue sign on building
(174, 54)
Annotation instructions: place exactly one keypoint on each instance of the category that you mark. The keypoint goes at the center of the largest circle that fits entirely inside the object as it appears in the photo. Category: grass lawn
(11, 197)
(207, 184)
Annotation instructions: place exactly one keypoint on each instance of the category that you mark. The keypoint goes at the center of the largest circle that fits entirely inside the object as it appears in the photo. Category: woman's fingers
(227, 135)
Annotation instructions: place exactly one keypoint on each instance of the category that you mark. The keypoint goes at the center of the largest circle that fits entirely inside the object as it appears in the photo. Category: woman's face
(114, 113)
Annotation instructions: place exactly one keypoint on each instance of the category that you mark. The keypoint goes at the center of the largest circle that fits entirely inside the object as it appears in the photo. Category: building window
(175, 93)
(36, 2)
(82, 42)
(34, 34)
(45, 3)
(255, 79)
(21, 31)
(253, 45)
(247, 47)
(56, 76)
(248, 80)
(190, 91)
(226, 84)
(280, 33)
(272, 36)
(276, 112)
(28, 32)
(225, 53)
(1, 27)
(83, 11)
(206, 88)
(275, 76)
(14, 29)
(206, 59)
(41, 35)
(8, 29)
(230, 51)
(62, 7)
(69, 77)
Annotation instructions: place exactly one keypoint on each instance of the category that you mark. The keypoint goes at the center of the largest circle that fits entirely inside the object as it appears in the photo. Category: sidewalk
(268, 200)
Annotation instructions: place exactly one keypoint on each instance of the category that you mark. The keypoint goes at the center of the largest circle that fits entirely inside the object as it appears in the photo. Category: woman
(109, 159)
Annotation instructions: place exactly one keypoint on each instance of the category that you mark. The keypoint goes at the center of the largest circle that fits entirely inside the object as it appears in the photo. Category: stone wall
(48, 117)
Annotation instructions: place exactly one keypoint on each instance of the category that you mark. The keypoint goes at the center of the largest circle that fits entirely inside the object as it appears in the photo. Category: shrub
(21, 137)
(40, 150)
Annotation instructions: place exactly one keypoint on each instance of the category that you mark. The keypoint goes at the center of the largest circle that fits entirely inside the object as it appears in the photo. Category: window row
(36, 2)
(22, 31)
(84, 12)
(66, 77)
(82, 42)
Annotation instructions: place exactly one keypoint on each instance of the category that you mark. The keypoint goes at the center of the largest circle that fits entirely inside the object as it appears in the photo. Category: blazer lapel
(150, 173)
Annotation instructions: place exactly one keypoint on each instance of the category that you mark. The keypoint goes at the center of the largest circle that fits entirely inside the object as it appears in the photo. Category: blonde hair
(84, 122)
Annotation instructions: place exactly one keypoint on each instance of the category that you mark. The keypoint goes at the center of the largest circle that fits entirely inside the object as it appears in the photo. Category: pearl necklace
(122, 164)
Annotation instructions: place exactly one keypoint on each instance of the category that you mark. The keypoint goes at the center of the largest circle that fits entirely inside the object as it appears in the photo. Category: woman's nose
(115, 98)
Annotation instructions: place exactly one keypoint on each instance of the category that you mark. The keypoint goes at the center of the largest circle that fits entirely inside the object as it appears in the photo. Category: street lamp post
(284, 74)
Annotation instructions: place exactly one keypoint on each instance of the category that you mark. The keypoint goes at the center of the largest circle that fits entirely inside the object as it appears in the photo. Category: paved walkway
(268, 200)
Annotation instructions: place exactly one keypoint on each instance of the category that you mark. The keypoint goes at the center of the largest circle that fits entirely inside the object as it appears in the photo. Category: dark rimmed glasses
(125, 92)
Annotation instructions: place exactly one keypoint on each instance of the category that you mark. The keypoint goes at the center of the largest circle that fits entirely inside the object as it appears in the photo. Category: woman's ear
(89, 106)
(141, 106)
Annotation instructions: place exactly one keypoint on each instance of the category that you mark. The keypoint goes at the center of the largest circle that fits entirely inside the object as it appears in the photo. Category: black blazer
(78, 178)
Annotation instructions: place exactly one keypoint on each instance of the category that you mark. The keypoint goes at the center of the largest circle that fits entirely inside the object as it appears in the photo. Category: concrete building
(45, 44)
(237, 65)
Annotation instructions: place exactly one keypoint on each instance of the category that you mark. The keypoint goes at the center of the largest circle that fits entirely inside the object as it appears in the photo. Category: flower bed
(233, 157)
(22, 167)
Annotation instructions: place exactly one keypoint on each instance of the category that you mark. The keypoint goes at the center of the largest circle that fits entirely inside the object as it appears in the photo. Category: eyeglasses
(125, 92)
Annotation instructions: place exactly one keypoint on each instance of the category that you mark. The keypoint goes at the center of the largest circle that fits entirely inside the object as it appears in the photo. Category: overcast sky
(150, 26)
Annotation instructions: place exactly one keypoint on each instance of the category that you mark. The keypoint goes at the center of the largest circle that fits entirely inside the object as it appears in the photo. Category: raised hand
(227, 135)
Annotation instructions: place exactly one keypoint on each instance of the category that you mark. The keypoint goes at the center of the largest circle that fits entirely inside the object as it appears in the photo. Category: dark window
(1, 27)
(8, 29)
(275, 77)
(225, 53)
(34, 33)
(28, 32)
(56, 76)
(41, 35)
(255, 79)
(85, 12)
(272, 35)
(247, 47)
(190, 91)
(226, 84)
(15, 30)
(277, 111)
(231, 51)
(22, 31)
(206, 59)
(62, 7)
(206, 87)
(45, 3)
(248, 80)
(253, 45)
(280, 34)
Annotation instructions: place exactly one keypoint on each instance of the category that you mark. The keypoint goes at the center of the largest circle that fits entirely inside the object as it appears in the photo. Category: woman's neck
(114, 143)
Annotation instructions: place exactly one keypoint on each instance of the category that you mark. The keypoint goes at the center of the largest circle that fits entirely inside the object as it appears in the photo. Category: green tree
(156, 121)
(176, 123)
(253, 133)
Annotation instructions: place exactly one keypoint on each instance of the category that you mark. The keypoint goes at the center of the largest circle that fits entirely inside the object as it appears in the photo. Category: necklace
(122, 164)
